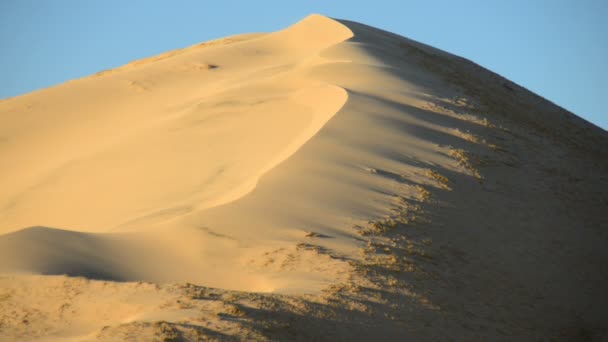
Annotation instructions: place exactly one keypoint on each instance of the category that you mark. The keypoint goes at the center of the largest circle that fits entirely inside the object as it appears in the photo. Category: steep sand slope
(353, 183)
(199, 127)
(140, 147)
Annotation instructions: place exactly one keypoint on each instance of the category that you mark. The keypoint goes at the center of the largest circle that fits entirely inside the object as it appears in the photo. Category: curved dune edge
(152, 255)
(331, 99)
(148, 255)
(164, 257)
(166, 140)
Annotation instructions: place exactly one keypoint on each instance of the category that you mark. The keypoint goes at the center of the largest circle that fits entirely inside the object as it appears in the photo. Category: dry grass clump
(465, 159)
(484, 122)
(231, 297)
(497, 148)
(442, 180)
(437, 176)
(423, 194)
(314, 248)
(399, 255)
(416, 250)
(311, 234)
(4, 296)
(206, 66)
(466, 136)
(307, 246)
(166, 332)
(392, 281)
(220, 41)
(382, 226)
(234, 310)
(396, 263)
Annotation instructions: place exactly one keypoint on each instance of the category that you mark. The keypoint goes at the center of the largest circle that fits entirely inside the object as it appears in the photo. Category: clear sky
(556, 48)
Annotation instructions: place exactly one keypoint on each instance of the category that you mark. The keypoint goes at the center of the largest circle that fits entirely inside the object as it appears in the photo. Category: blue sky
(556, 48)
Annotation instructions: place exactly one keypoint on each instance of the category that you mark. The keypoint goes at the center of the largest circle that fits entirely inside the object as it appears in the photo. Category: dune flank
(326, 181)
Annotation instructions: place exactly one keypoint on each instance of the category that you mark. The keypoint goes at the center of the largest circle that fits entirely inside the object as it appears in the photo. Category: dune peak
(316, 30)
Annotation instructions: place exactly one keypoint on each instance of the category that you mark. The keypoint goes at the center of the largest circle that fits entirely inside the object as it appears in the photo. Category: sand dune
(202, 140)
(327, 181)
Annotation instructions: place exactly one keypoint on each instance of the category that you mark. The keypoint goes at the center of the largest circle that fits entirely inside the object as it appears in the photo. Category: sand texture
(329, 181)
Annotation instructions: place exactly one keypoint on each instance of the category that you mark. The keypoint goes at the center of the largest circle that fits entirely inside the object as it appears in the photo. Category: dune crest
(184, 128)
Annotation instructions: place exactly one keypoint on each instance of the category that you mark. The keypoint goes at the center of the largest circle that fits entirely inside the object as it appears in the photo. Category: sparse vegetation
(314, 235)
(166, 332)
(442, 180)
(484, 122)
(234, 310)
(467, 136)
(231, 297)
(465, 159)
(423, 194)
